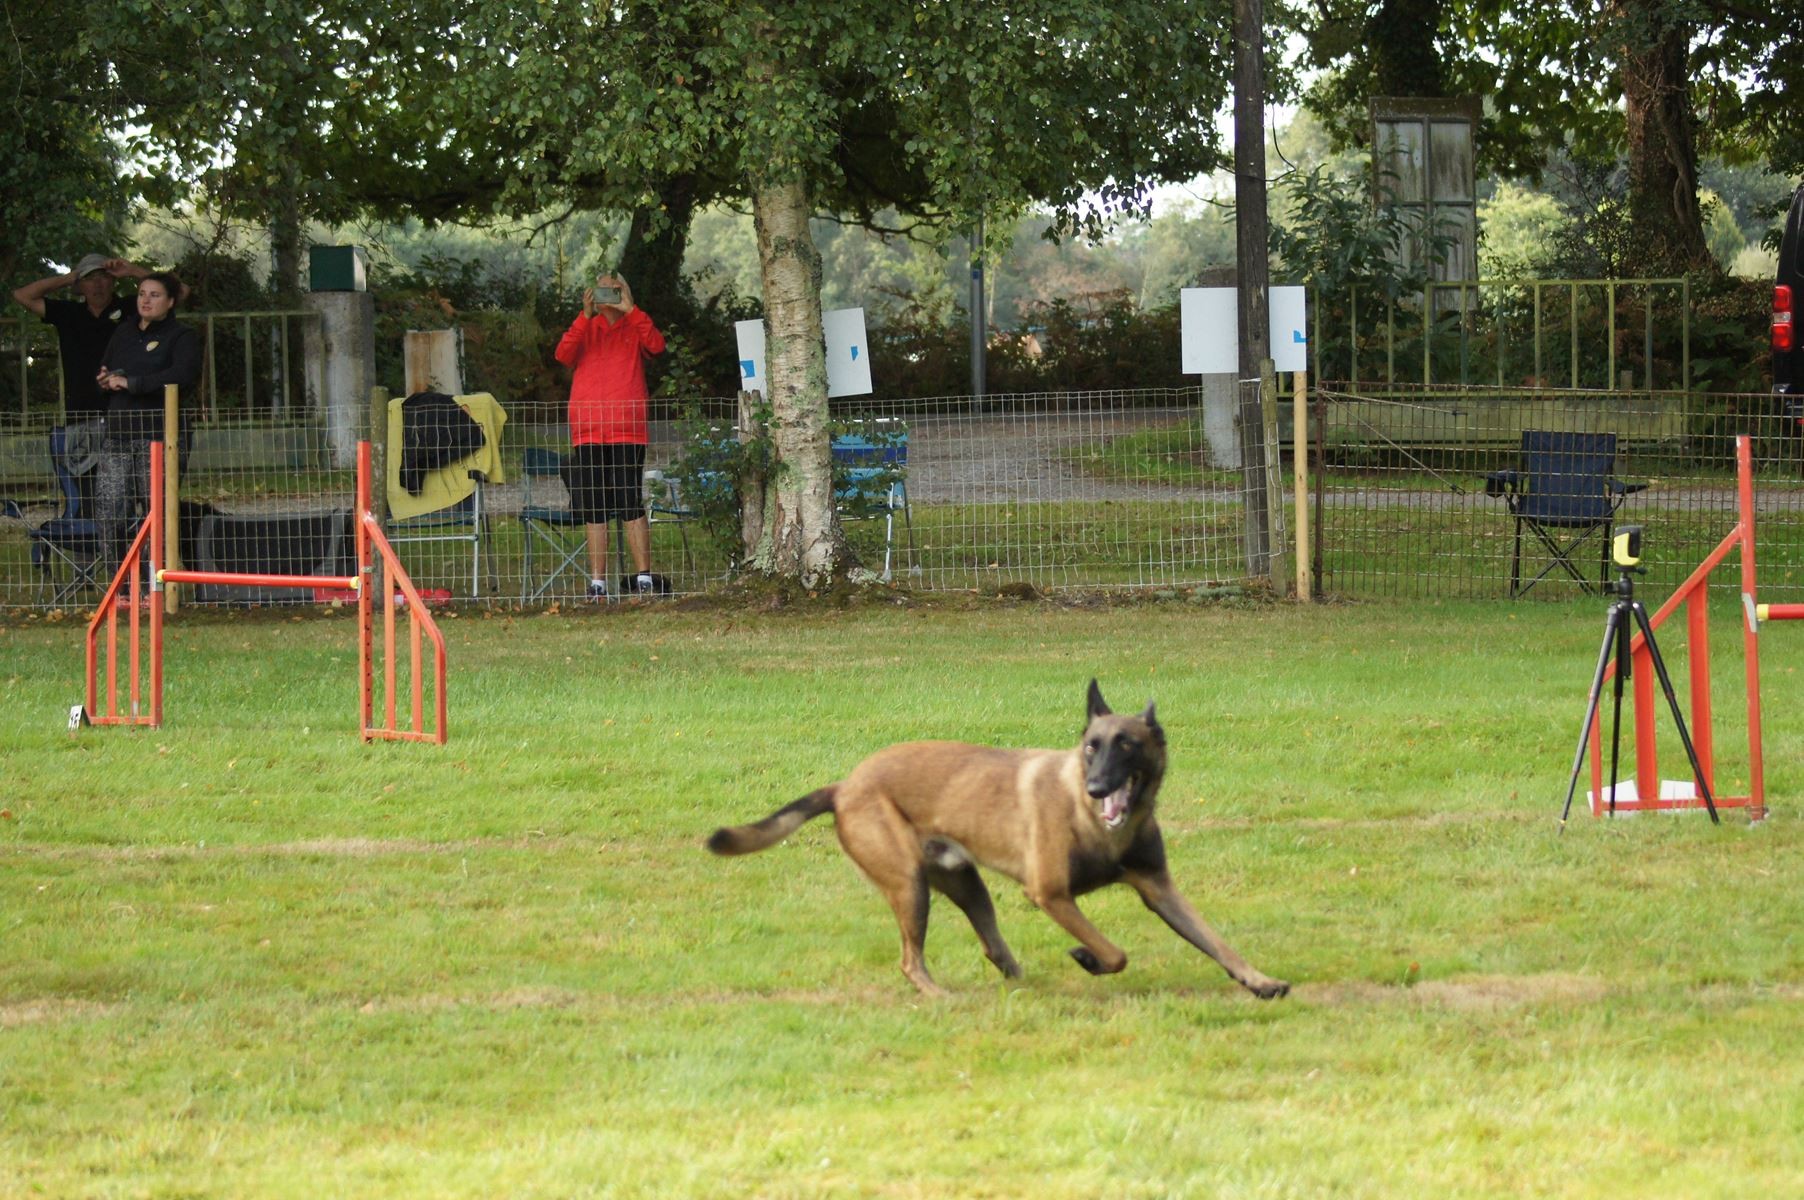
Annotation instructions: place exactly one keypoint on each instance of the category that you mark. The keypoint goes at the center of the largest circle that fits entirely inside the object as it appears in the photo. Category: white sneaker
(645, 585)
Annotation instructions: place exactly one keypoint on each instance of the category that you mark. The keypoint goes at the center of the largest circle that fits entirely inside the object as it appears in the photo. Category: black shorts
(606, 481)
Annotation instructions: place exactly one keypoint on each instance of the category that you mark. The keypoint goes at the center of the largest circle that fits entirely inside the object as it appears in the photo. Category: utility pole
(979, 334)
(1253, 271)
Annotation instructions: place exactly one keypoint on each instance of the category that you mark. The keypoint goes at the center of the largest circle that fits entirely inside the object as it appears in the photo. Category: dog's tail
(762, 835)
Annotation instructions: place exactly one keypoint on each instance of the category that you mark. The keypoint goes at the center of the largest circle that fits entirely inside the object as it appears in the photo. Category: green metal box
(335, 269)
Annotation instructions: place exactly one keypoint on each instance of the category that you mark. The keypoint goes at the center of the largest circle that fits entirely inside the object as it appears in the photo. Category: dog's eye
(1126, 744)
(1089, 749)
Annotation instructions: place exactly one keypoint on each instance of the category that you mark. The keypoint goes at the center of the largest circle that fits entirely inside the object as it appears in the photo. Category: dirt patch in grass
(510, 1000)
(53, 1008)
(312, 847)
(1474, 993)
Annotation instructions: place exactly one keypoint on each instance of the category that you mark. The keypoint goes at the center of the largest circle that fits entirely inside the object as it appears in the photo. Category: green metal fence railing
(1571, 333)
(254, 367)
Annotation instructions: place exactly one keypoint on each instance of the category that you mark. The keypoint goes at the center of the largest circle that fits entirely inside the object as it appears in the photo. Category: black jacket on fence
(435, 431)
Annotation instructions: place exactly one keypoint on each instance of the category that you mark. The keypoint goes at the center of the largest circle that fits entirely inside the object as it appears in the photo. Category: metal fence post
(1299, 465)
(171, 499)
(1274, 472)
(379, 449)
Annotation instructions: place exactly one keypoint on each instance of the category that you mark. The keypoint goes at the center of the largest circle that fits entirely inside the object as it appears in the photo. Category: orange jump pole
(1649, 792)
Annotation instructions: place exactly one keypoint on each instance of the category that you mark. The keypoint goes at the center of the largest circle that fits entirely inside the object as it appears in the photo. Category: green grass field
(245, 955)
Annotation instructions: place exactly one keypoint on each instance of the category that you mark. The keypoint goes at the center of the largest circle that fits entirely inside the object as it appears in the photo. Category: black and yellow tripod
(1625, 552)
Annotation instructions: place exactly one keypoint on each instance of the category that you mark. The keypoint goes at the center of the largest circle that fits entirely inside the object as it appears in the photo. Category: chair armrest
(1499, 482)
(1622, 488)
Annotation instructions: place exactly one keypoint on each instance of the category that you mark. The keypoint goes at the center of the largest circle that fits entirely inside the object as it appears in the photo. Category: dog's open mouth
(1113, 808)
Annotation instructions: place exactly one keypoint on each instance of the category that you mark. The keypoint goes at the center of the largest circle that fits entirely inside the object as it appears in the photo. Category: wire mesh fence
(1052, 491)
(1418, 493)
(1426, 492)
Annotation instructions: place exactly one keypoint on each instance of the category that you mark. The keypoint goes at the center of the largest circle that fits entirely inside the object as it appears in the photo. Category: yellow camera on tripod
(1625, 547)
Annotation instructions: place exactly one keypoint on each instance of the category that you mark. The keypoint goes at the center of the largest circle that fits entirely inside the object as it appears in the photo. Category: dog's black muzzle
(1113, 784)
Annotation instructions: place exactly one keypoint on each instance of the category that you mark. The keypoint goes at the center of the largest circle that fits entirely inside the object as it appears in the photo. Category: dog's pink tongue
(1114, 806)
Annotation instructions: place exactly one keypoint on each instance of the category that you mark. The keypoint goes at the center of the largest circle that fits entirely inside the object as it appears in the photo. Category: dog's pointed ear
(1098, 707)
(1152, 722)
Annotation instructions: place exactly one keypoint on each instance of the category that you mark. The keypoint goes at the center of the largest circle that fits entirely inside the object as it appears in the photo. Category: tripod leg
(1622, 674)
(1678, 717)
(1612, 630)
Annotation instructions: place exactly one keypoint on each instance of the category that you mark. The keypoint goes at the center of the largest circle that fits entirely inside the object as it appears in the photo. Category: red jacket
(607, 395)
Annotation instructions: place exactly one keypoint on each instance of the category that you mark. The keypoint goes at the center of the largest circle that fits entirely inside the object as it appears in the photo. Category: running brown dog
(925, 815)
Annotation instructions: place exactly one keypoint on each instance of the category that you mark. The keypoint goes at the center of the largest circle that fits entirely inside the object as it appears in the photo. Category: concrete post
(1221, 397)
(340, 351)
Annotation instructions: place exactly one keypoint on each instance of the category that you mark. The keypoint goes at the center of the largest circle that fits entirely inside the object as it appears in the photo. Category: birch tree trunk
(800, 536)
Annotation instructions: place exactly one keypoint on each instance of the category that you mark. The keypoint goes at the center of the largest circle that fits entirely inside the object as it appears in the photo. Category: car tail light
(1782, 317)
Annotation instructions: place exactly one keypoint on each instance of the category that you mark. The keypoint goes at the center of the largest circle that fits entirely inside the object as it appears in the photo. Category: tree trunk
(800, 536)
(651, 261)
(1405, 59)
(1662, 137)
(287, 236)
(1253, 270)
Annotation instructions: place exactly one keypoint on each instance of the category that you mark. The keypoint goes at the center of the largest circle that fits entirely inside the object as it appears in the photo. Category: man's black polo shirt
(82, 337)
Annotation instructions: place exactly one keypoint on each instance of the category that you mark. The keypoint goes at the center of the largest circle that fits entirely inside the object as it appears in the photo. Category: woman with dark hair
(143, 356)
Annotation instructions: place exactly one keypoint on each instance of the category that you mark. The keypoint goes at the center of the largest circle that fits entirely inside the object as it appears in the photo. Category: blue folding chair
(870, 480)
(1564, 493)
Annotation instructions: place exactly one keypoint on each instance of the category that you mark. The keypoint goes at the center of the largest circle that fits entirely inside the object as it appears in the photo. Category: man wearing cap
(83, 327)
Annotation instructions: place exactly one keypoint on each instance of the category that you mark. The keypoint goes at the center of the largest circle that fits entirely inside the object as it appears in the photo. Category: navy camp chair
(1564, 493)
(65, 550)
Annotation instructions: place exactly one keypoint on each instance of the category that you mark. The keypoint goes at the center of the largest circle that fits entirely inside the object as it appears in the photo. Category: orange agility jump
(145, 696)
(1647, 792)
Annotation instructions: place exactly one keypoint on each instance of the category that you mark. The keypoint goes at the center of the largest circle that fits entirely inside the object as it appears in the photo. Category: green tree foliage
(60, 196)
(1633, 79)
(1516, 229)
(956, 109)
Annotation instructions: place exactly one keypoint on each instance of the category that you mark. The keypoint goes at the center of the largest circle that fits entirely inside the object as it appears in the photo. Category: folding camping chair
(68, 544)
(1565, 492)
(465, 521)
(554, 528)
(664, 505)
(450, 502)
(870, 472)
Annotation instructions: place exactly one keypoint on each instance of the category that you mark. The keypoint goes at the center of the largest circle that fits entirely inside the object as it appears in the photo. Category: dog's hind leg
(877, 838)
(965, 888)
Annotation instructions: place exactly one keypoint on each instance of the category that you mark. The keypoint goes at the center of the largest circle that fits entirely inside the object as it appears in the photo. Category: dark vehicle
(1788, 296)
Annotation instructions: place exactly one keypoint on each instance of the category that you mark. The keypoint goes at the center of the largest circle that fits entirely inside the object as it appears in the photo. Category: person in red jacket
(606, 347)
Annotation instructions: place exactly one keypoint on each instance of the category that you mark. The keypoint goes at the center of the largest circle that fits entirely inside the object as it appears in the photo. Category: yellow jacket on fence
(451, 483)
